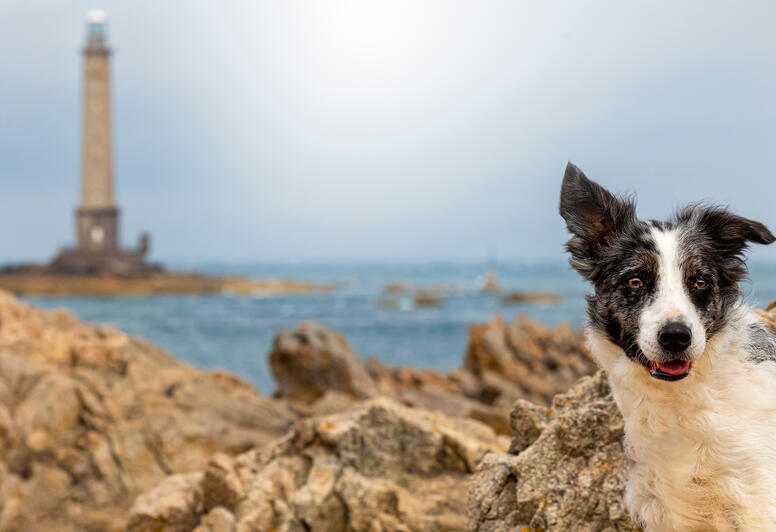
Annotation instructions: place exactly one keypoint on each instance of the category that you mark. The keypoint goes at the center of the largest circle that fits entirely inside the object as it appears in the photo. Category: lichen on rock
(565, 470)
(377, 466)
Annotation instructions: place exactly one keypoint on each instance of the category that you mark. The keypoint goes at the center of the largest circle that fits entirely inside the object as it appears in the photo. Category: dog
(691, 367)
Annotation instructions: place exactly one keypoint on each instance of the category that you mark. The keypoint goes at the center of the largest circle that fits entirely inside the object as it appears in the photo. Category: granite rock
(90, 418)
(565, 471)
(377, 466)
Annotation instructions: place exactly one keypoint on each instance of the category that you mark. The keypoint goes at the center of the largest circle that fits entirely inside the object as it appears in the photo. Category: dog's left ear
(731, 233)
(593, 215)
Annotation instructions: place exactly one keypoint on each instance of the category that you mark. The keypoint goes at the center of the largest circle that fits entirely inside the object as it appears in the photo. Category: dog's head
(662, 289)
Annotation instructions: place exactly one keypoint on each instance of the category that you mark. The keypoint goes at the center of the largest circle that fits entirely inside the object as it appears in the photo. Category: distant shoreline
(26, 284)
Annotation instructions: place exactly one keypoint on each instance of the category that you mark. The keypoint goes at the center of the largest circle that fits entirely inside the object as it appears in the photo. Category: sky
(384, 130)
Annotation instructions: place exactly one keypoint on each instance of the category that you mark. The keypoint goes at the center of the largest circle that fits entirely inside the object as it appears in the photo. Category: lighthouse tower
(97, 215)
(97, 249)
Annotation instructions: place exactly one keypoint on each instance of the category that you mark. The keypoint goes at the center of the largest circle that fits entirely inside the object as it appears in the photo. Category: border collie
(692, 369)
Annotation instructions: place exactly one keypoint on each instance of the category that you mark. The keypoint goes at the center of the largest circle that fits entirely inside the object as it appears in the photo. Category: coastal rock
(769, 315)
(426, 299)
(174, 505)
(388, 303)
(525, 360)
(377, 466)
(34, 280)
(513, 298)
(395, 287)
(318, 372)
(221, 483)
(491, 285)
(454, 395)
(310, 360)
(422, 296)
(219, 519)
(90, 417)
(565, 470)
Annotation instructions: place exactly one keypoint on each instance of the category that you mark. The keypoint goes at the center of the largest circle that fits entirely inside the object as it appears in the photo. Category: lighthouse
(97, 215)
(98, 249)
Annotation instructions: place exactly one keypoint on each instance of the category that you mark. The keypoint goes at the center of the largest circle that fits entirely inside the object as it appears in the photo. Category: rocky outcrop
(525, 360)
(318, 372)
(174, 505)
(565, 469)
(517, 297)
(36, 280)
(377, 466)
(90, 417)
(93, 422)
(420, 296)
(311, 360)
(457, 394)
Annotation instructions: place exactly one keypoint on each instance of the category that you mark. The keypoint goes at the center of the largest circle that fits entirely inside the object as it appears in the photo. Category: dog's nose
(675, 337)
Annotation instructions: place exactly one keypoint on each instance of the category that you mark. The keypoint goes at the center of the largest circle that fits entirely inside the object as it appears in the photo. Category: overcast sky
(384, 130)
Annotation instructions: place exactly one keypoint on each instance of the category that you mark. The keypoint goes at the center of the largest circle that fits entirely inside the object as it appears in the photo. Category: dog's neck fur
(704, 448)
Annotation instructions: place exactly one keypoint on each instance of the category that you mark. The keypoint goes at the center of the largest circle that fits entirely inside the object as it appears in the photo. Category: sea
(235, 333)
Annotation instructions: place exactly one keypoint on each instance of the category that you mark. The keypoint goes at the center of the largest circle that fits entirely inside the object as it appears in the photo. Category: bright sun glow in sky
(384, 130)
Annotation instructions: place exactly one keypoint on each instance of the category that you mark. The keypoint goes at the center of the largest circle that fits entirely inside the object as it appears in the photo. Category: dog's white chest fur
(704, 448)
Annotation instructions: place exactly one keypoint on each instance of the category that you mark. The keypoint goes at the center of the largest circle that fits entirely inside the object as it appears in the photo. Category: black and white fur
(692, 369)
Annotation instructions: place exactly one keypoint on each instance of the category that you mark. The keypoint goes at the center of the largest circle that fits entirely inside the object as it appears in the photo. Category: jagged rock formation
(525, 360)
(565, 469)
(378, 466)
(90, 417)
(318, 372)
(93, 421)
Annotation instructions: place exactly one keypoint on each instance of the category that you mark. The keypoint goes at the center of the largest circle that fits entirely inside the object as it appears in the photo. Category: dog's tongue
(675, 367)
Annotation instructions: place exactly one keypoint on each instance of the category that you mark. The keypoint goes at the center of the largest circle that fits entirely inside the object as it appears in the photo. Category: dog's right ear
(593, 215)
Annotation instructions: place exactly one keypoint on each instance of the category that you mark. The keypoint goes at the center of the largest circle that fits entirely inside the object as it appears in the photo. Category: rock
(565, 470)
(513, 298)
(248, 286)
(769, 315)
(310, 360)
(429, 389)
(219, 519)
(494, 496)
(525, 360)
(388, 303)
(319, 373)
(395, 287)
(175, 505)
(528, 421)
(49, 412)
(491, 286)
(426, 299)
(34, 281)
(377, 466)
(221, 484)
(90, 418)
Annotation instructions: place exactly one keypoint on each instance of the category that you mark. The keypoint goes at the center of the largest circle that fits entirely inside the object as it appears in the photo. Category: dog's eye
(635, 282)
(700, 284)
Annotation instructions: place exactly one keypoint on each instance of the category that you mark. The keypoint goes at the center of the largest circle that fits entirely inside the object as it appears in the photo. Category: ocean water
(235, 332)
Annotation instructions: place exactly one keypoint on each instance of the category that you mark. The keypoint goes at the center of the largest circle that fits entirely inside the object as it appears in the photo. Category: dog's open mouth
(670, 371)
